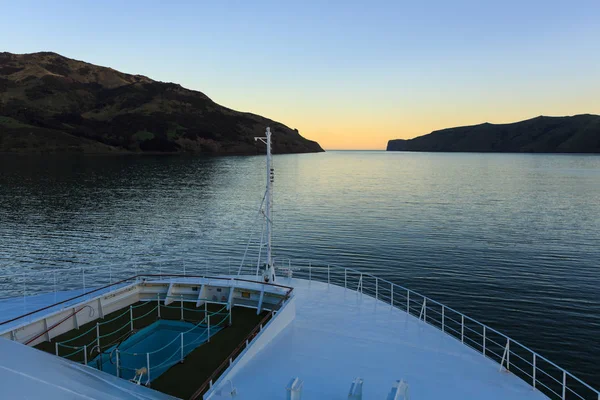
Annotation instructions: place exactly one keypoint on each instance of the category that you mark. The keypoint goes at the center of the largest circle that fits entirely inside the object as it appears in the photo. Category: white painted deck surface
(338, 335)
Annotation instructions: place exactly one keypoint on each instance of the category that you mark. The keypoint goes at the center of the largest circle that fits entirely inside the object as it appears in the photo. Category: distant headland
(50, 103)
(576, 134)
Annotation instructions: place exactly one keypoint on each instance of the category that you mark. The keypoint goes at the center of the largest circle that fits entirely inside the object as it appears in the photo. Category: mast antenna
(269, 271)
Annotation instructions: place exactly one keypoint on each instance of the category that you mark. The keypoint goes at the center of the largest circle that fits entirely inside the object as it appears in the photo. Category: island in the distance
(50, 103)
(576, 134)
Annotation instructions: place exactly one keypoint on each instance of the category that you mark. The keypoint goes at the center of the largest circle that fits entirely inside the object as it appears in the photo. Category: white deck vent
(399, 391)
(294, 389)
(356, 390)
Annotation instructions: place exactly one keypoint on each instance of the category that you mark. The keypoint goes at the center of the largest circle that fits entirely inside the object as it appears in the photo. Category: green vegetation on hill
(52, 103)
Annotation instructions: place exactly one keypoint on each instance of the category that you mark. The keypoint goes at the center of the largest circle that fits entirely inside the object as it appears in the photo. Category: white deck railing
(24, 292)
(512, 356)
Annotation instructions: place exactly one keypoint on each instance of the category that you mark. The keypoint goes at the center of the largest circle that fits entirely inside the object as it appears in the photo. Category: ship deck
(336, 335)
(339, 334)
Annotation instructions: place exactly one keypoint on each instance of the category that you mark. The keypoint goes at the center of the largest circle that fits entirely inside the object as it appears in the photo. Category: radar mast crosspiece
(269, 271)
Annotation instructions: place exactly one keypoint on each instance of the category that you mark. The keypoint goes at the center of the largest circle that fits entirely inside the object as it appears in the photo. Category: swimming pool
(156, 348)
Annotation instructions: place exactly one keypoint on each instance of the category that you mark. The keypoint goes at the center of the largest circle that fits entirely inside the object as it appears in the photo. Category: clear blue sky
(348, 74)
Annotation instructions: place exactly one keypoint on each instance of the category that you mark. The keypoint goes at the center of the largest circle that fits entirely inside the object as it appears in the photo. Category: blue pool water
(157, 346)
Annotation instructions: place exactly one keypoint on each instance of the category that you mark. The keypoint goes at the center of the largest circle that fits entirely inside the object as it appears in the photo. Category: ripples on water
(509, 239)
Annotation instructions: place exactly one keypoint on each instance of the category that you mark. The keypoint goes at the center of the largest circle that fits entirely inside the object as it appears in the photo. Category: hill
(576, 134)
(50, 103)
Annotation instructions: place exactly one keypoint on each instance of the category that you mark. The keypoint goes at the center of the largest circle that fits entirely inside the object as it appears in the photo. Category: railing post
(328, 275)
(484, 331)
(534, 368)
(508, 354)
(208, 339)
(183, 263)
(56, 348)
(408, 301)
(361, 283)
(228, 265)
(83, 278)
(230, 316)
(110, 274)
(181, 305)
(345, 278)
(181, 335)
(462, 328)
(84, 354)
(54, 276)
(564, 386)
(147, 365)
(392, 294)
(24, 295)
(443, 318)
(309, 271)
(158, 304)
(119, 366)
(98, 335)
(423, 312)
(205, 309)
(376, 288)
(131, 317)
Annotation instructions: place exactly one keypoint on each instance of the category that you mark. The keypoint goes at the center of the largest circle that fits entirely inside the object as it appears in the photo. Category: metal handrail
(129, 265)
(421, 313)
(64, 301)
(26, 283)
(56, 324)
(102, 267)
(135, 278)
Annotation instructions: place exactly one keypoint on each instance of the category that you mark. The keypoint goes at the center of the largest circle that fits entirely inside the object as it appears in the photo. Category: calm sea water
(510, 239)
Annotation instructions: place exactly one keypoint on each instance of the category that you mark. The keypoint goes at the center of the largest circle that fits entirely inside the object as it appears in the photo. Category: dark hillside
(577, 134)
(52, 103)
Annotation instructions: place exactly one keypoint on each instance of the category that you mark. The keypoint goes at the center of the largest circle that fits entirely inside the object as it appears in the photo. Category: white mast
(269, 272)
